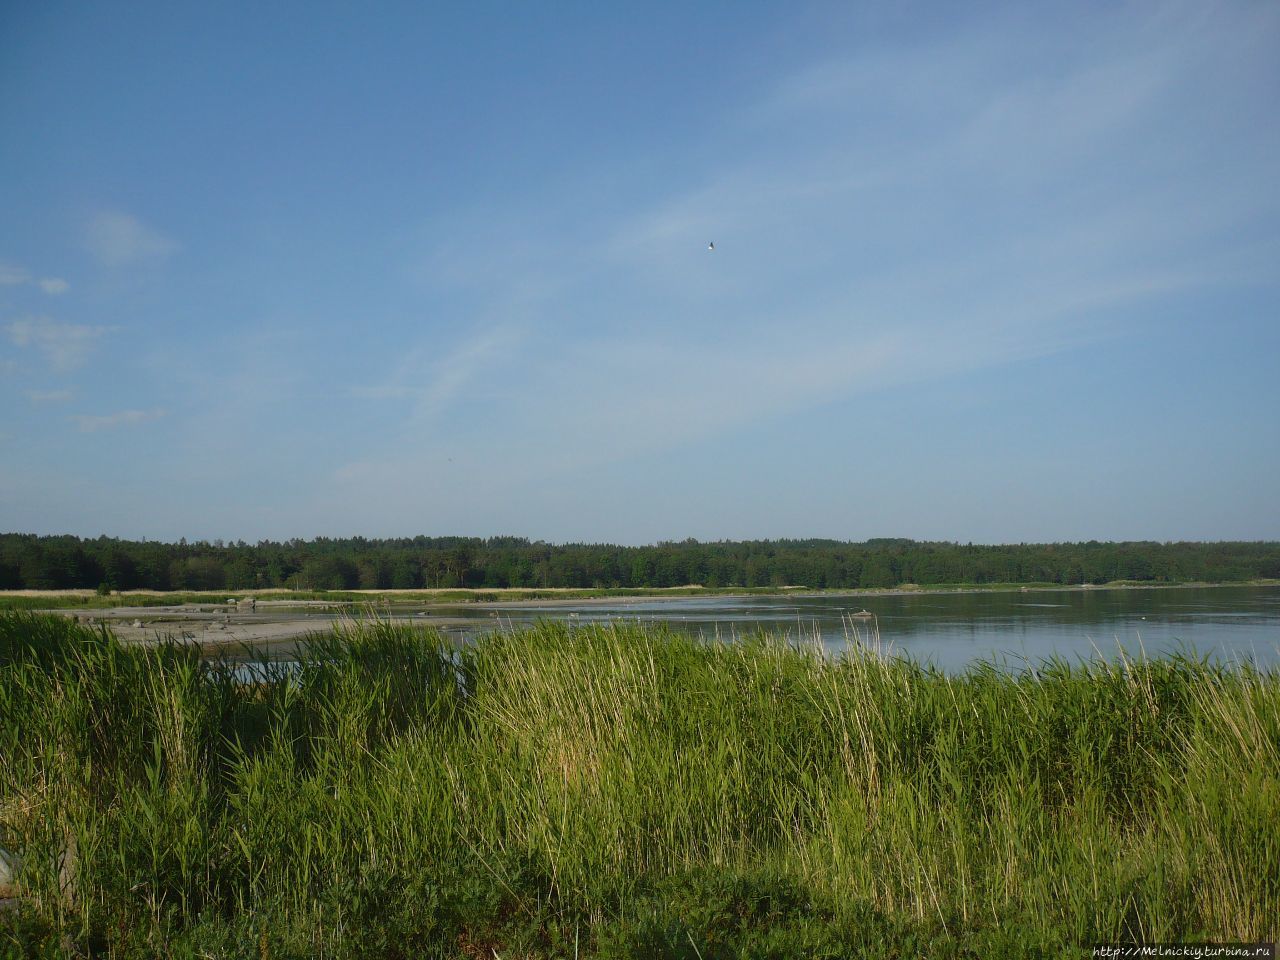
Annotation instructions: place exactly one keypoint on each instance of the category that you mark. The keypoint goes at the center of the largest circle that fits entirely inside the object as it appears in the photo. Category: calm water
(952, 630)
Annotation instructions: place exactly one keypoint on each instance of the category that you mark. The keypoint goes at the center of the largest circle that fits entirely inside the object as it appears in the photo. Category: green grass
(617, 792)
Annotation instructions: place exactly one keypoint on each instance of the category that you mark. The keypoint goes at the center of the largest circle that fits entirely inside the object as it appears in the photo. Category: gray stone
(9, 864)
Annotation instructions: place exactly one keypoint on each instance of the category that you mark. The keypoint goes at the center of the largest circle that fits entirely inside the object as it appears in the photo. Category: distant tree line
(61, 562)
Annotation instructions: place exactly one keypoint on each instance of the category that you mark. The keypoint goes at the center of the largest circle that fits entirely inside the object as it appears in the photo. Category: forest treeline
(28, 561)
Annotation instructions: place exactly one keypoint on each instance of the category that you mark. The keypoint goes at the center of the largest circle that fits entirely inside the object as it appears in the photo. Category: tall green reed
(556, 778)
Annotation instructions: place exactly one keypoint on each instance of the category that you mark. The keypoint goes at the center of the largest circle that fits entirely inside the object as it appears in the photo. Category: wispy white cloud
(65, 345)
(437, 380)
(463, 365)
(118, 239)
(12, 275)
(90, 423)
(927, 211)
(386, 391)
(49, 396)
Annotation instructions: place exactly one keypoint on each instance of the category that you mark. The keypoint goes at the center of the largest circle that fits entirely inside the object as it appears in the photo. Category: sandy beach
(273, 626)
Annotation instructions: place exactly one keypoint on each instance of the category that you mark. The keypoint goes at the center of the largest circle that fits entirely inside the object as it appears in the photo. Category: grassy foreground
(617, 792)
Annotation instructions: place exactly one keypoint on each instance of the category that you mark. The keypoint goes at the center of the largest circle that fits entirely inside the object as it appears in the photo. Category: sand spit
(276, 626)
(229, 627)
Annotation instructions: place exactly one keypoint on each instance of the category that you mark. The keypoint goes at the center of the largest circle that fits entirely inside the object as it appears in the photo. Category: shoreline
(858, 592)
(276, 624)
(221, 629)
(455, 596)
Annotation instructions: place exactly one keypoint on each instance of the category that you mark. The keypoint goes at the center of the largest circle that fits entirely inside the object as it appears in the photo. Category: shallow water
(950, 630)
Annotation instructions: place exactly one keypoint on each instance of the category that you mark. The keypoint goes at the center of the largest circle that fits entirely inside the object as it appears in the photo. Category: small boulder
(9, 864)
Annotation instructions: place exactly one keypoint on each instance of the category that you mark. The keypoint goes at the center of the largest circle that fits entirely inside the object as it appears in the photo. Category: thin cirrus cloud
(49, 396)
(939, 209)
(118, 239)
(91, 423)
(438, 383)
(65, 346)
(12, 275)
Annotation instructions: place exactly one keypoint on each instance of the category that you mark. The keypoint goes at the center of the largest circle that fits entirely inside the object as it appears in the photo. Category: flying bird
(711, 245)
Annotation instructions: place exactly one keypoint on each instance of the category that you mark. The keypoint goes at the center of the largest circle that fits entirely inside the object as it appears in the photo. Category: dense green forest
(61, 562)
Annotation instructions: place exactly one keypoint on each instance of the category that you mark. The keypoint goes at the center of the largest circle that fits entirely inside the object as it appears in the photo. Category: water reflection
(1229, 624)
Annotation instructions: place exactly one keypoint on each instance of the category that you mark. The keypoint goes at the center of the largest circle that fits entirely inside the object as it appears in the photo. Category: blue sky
(982, 272)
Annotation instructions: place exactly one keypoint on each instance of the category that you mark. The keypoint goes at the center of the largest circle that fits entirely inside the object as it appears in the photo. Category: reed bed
(600, 791)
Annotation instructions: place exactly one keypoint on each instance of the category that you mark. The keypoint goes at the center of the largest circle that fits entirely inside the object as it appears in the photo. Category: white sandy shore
(226, 627)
